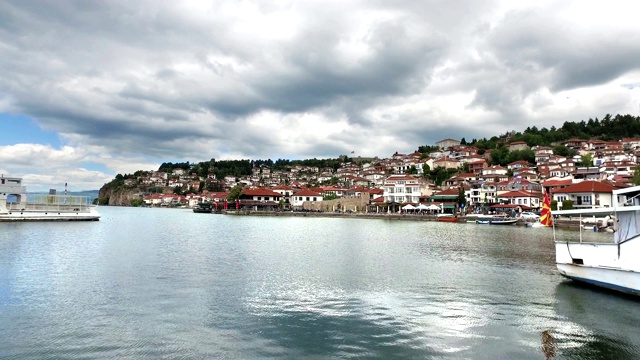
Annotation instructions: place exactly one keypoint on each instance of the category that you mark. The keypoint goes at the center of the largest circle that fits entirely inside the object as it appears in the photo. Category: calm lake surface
(168, 283)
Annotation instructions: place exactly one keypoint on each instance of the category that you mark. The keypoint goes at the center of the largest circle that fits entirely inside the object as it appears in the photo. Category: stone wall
(356, 204)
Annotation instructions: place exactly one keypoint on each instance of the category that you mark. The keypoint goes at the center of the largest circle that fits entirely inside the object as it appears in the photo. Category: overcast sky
(89, 89)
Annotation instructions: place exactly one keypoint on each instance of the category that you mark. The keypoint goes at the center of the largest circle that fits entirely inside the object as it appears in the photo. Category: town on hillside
(584, 180)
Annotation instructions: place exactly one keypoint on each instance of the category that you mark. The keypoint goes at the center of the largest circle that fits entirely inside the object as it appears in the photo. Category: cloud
(147, 82)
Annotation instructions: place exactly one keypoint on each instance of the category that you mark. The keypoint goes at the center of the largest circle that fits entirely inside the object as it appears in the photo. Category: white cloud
(132, 84)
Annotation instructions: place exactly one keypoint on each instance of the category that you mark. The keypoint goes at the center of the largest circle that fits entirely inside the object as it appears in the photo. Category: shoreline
(559, 223)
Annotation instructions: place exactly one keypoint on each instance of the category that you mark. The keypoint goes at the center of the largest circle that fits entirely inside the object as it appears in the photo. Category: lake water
(168, 283)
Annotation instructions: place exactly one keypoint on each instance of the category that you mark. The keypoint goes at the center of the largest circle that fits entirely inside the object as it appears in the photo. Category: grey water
(168, 283)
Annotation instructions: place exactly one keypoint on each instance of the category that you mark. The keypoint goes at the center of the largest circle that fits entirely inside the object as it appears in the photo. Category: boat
(446, 218)
(606, 253)
(17, 205)
(203, 208)
(502, 221)
(496, 220)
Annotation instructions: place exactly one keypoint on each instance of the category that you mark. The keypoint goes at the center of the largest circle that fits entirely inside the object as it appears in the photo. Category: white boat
(610, 259)
(17, 205)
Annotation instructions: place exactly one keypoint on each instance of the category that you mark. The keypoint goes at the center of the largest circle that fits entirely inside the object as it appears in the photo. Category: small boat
(609, 258)
(496, 220)
(203, 208)
(17, 205)
(446, 218)
(502, 221)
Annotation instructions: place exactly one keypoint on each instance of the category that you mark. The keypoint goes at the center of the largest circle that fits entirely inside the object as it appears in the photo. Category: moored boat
(446, 218)
(496, 220)
(17, 205)
(611, 260)
(203, 208)
(503, 221)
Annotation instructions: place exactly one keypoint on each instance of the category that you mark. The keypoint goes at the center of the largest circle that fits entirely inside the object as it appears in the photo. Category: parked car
(529, 215)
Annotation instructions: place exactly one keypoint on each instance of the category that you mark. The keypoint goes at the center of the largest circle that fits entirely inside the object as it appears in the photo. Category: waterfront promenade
(565, 223)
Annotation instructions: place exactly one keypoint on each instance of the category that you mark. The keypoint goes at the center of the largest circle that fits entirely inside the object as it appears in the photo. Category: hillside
(127, 189)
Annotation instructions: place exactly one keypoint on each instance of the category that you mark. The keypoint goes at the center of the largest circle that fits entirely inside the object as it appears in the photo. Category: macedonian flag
(545, 214)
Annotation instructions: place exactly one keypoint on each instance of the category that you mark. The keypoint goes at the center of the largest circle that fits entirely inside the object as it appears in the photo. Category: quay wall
(563, 223)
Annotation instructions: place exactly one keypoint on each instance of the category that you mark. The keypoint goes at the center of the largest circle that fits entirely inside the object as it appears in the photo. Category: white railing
(53, 203)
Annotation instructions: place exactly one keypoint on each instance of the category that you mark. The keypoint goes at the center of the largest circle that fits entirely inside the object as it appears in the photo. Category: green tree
(439, 174)
(137, 202)
(235, 193)
(561, 150)
(586, 160)
(500, 156)
(412, 170)
(329, 196)
(554, 205)
(636, 176)
(426, 171)
(567, 204)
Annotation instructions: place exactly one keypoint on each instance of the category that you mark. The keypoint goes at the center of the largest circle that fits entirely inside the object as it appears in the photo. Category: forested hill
(239, 168)
(608, 129)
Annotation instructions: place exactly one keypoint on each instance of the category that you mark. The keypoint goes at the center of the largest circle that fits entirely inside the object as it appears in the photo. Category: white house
(303, 196)
(402, 189)
(586, 194)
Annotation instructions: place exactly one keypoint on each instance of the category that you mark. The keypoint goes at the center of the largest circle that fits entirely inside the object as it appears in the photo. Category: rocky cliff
(119, 195)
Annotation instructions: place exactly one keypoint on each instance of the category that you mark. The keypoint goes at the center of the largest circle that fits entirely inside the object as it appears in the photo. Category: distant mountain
(92, 194)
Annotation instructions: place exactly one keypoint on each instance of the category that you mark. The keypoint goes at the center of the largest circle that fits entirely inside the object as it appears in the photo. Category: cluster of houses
(389, 183)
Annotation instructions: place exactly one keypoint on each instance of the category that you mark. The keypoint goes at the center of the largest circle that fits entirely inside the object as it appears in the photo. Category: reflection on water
(603, 323)
(167, 283)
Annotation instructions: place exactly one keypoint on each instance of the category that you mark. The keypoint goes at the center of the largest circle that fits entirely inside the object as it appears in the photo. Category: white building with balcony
(402, 189)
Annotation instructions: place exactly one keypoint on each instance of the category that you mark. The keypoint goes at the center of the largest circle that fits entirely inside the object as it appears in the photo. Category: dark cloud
(194, 80)
(568, 55)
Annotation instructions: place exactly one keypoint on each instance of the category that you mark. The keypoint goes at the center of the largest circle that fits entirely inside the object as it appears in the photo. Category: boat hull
(613, 279)
(611, 266)
(90, 215)
(447, 219)
(502, 222)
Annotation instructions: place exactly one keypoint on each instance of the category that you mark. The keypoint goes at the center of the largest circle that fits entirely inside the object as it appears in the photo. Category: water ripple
(157, 283)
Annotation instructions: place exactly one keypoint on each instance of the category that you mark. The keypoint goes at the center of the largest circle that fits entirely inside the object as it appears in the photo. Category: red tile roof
(260, 192)
(556, 182)
(587, 187)
(450, 191)
(307, 192)
(282, 187)
(520, 193)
